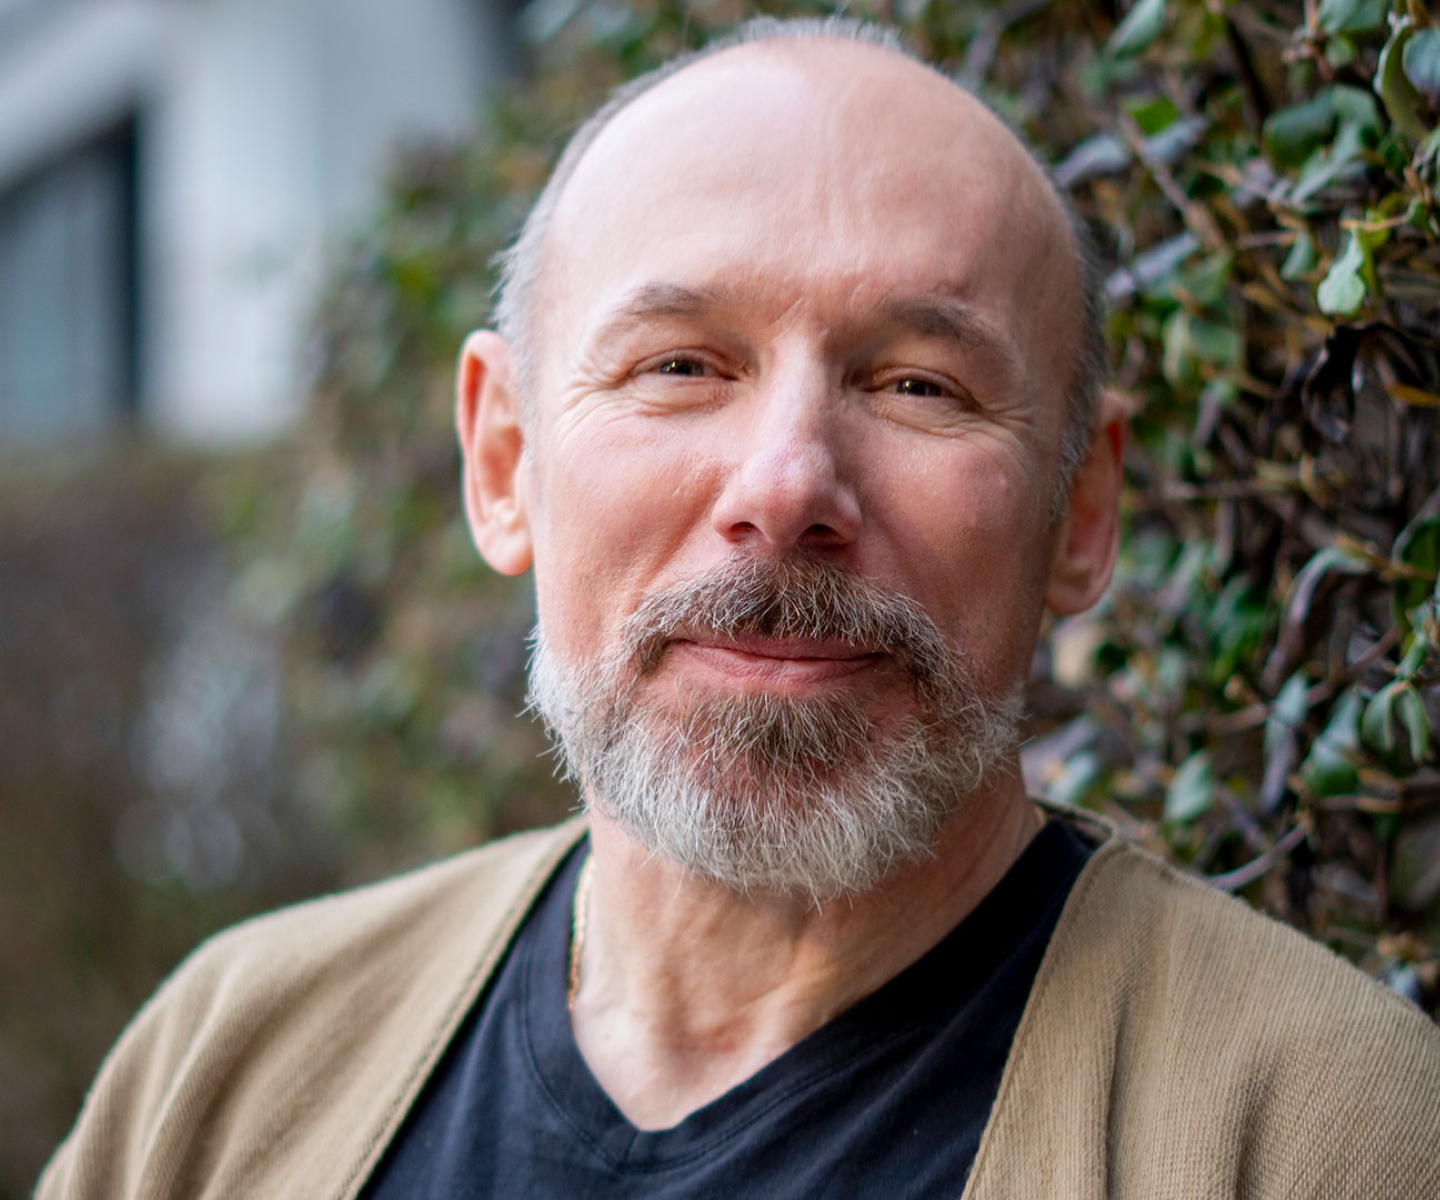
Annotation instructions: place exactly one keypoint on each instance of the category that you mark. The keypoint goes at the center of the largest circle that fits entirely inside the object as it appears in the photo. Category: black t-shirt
(887, 1100)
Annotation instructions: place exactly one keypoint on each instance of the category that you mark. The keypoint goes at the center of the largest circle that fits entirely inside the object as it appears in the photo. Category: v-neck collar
(901, 1012)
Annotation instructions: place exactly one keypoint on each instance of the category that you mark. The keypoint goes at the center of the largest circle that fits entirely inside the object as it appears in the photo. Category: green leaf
(1192, 790)
(1295, 137)
(1418, 645)
(1394, 714)
(1355, 106)
(1172, 672)
(1396, 92)
(1235, 620)
(1339, 51)
(1216, 344)
(1288, 712)
(1103, 154)
(1205, 281)
(1343, 290)
(1282, 740)
(1154, 270)
(1177, 363)
(1293, 134)
(1324, 167)
(1190, 340)
(1351, 16)
(1418, 547)
(1377, 726)
(1427, 154)
(1330, 767)
(1141, 26)
(1154, 114)
(1410, 709)
(1308, 578)
(1302, 258)
(1328, 771)
(1422, 63)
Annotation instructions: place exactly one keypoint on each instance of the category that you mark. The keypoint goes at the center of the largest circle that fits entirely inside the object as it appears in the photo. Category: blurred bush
(1255, 698)
(142, 797)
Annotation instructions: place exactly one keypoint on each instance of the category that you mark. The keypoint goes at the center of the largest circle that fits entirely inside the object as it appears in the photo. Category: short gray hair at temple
(520, 265)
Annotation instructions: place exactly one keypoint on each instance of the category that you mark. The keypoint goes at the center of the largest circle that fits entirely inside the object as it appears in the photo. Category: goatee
(768, 792)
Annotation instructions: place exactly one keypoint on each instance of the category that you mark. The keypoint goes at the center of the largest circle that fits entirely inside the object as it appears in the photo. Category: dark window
(68, 311)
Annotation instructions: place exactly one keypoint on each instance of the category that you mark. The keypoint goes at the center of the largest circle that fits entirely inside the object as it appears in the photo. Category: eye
(685, 367)
(681, 379)
(916, 387)
(920, 398)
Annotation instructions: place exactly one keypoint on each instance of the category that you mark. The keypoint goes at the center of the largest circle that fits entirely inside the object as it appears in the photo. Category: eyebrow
(944, 317)
(937, 315)
(658, 300)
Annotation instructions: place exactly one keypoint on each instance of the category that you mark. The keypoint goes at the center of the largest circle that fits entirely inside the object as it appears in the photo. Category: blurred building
(171, 175)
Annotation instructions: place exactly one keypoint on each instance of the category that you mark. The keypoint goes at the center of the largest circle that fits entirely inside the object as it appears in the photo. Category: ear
(487, 420)
(1089, 536)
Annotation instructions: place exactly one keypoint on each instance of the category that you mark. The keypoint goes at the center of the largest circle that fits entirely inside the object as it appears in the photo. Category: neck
(687, 988)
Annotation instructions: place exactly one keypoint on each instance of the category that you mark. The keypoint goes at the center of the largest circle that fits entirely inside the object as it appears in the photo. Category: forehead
(820, 175)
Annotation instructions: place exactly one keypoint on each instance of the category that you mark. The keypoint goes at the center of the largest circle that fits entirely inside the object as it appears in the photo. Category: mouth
(775, 662)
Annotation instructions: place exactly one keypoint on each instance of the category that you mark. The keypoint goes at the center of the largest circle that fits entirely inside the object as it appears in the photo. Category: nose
(788, 486)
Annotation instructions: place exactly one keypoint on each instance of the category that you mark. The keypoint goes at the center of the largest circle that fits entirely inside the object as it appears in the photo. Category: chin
(763, 791)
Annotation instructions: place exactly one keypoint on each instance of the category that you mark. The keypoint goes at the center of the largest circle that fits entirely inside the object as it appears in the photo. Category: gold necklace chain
(579, 915)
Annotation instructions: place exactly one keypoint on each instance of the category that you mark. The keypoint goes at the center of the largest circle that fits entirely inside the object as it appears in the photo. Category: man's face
(801, 303)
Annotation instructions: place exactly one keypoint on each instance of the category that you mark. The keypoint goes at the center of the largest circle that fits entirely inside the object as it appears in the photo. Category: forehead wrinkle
(667, 300)
(943, 317)
(657, 301)
(951, 320)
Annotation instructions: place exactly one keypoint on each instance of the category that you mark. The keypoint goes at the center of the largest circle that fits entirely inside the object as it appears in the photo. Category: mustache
(806, 598)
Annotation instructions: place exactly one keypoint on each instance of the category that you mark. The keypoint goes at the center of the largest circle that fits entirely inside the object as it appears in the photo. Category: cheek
(985, 538)
(975, 512)
(614, 508)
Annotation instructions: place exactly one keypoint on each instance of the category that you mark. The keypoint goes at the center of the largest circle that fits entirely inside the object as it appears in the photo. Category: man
(793, 413)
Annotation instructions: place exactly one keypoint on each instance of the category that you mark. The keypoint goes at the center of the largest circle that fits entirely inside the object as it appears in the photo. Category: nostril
(820, 534)
(788, 486)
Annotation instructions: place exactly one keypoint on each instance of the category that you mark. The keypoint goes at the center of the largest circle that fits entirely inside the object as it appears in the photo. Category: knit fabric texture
(1176, 1044)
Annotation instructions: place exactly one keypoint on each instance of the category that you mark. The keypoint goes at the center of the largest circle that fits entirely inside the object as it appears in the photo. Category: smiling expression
(801, 299)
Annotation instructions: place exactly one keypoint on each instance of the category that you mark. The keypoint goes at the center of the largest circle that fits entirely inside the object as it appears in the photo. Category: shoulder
(367, 940)
(1131, 906)
(1202, 941)
(1176, 1042)
(410, 912)
(325, 1015)
(1227, 1017)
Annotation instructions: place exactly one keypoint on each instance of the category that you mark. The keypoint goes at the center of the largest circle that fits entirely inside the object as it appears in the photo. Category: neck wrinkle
(687, 988)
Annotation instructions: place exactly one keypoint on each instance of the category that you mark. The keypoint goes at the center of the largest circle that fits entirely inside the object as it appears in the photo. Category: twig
(1232, 881)
(1257, 104)
(981, 51)
(1197, 218)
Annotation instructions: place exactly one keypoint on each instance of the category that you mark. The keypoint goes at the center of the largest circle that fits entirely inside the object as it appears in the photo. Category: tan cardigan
(1176, 1044)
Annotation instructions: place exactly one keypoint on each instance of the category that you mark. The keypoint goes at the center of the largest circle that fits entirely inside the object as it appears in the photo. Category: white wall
(265, 130)
(278, 121)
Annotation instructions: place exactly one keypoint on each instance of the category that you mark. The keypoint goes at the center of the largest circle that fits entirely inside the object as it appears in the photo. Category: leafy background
(226, 683)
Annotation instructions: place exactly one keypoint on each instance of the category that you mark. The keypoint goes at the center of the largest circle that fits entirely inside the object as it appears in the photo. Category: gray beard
(761, 792)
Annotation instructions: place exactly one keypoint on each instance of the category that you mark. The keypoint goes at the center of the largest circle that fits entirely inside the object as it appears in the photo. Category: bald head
(831, 123)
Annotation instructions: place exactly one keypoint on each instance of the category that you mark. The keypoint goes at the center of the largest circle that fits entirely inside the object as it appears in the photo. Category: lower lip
(747, 667)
